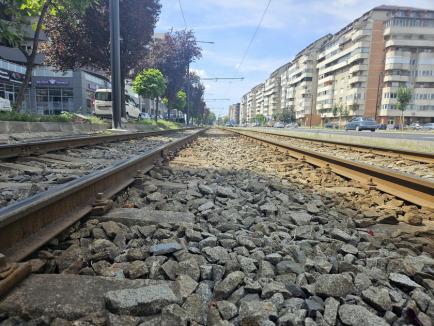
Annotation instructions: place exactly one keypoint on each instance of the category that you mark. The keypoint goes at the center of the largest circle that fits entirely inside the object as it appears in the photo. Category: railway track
(423, 157)
(410, 188)
(28, 224)
(233, 232)
(45, 146)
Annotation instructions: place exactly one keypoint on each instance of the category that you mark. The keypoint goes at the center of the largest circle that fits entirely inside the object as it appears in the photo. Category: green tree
(261, 119)
(25, 11)
(180, 101)
(338, 111)
(150, 83)
(403, 97)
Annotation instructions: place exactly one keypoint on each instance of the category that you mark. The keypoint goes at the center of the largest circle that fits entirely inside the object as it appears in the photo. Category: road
(428, 136)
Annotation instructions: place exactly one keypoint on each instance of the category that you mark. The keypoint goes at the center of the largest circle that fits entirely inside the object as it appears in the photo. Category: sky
(288, 27)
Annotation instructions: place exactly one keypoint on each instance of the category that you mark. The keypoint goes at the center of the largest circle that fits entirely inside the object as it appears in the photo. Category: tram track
(410, 188)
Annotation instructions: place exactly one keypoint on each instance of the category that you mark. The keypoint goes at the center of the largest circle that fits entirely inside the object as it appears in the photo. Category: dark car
(332, 125)
(361, 123)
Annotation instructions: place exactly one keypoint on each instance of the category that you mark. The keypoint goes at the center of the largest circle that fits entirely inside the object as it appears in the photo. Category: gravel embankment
(248, 236)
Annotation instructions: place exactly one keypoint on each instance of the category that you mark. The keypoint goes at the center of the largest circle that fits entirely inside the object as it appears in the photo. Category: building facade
(234, 114)
(358, 71)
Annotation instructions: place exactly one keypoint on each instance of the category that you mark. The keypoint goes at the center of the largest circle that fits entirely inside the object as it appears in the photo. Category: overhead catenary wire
(182, 14)
(254, 35)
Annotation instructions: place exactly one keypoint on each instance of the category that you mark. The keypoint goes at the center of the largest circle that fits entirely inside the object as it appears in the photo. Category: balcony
(358, 79)
(358, 67)
(397, 66)
(396, 78)
(408, 30)
(358, 56)
(359, 34)
(410, 43)
(426, 79)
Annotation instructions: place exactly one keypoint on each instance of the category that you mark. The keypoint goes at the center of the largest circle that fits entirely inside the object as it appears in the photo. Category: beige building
(361, 68)
(234, 114)
(358, 71)
(299, 84)
(243, 110)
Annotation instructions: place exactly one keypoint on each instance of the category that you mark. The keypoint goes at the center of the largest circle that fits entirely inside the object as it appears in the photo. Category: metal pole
(115, 62)
(188, 93)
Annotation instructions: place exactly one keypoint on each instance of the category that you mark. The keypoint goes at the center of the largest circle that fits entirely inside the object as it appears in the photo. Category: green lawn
(160, 124)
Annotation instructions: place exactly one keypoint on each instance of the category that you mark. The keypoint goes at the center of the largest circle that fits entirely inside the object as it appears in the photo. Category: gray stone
(334, 285)
(171, 269)
(196, 308)
(287, 266)
(271, 288)
(227, 309)
(402, 280)
(301, 218)
(146, 216)
(146, 300)
(295, 318)
(225, 192)
(216, 254)
(247, 264)
(228, 285)
(340, 235)
(349, 249)
(206, 206)
(193, 235)
(331, 311)
(165, 248)
(359, 316)
(204, 189)
(256, 312)
(378, 298)
(173, 315)
(266, 269)
(185, 285)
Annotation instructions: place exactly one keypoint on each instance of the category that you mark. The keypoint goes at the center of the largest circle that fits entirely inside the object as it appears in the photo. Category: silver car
(428, 126)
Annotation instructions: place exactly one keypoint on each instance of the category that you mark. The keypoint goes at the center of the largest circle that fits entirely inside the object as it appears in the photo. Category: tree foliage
(17, 13)
(261, 119)
(84, 41)
(172, 54)
(181, 100)
(149, 83)
(403, 98)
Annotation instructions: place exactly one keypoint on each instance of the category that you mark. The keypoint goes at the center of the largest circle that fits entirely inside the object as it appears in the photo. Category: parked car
(5, 105)
(414, 126)
(361, 123)
(381, 126)
(292, 125)
(144, 116)
(103, 104)
(279, 125)
(333, 125)
(428, 126)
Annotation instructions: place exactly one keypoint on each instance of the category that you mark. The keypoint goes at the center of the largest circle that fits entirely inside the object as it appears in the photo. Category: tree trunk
(156, 109)
(402, 120)
(30, 58)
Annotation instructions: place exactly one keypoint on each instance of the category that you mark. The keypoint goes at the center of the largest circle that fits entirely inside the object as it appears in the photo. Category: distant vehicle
(382, 126)
(5, 105)
(229, 124)
(103, 104)
(292, 125)
(144, 116)
(361, 123)
(428, 126)
(279, 125)
(414, 126)
(332, 125)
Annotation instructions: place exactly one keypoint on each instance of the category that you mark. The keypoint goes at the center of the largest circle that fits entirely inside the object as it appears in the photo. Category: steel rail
(412, 189)
(28, 224)
(44, 146)
(424, 157)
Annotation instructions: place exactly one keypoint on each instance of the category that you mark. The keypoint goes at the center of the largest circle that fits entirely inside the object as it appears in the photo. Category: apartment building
(234, 114)
(243, 110)
(361, 68)
(358, 71)
(299, 84)
(409, 60)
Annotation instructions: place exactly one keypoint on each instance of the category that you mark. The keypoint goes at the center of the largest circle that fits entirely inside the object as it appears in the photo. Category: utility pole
(115, 63)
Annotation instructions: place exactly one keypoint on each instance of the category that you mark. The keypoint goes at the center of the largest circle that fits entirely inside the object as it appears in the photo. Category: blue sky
(288, 27)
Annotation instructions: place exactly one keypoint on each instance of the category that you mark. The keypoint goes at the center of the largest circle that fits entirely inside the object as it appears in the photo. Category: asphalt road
(424, 136)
